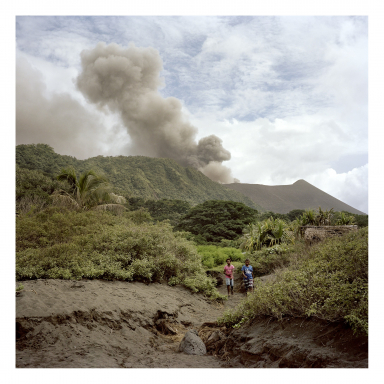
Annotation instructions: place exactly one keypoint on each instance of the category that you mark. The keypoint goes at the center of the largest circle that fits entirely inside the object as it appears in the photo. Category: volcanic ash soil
(105, 324)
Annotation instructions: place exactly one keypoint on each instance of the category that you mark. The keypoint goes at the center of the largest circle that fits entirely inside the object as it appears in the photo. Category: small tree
(215, 220)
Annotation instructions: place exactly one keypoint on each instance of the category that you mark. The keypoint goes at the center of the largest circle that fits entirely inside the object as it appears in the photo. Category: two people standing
(247, 272)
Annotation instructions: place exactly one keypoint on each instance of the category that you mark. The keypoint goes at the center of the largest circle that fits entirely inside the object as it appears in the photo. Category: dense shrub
(33, 189)
(288, 217)
(320, 217)
(265, 261)
(160, 210)
(215, 220)
(330, 283)
(59, 244)
(212, 256)
(360, 220)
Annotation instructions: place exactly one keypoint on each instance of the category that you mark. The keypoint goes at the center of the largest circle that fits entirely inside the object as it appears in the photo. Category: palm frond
(69, 175)
(89, 190)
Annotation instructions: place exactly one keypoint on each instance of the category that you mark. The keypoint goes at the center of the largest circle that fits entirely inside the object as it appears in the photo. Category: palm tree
(267, 234)
(90, 190)
(345, 219)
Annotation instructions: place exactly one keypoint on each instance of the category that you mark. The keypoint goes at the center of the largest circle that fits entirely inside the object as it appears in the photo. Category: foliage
(361, 220)
(42, 157)
(318, 218)
(262, 216)
(267, 260)
(140, 216)
(19, 288)
(345, 219)
(139, 176)
(266, 234)
(214, 220)
(33, 188)
(288, 217)
(161, 210)
(294, 214)
(213, 256)
(87, 191)
(230, 243)
(330, 282)
(60, 244)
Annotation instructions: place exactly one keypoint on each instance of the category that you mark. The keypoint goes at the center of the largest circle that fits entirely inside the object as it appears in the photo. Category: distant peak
(301, 181)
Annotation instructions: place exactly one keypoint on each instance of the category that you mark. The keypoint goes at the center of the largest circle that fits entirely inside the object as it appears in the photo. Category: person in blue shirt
(247, 272)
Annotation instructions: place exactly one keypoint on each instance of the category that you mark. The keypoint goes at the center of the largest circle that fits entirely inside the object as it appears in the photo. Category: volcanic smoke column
(126, 80)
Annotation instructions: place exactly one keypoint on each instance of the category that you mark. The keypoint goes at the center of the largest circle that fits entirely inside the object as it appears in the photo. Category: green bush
(33, 189)
(360, 220)
(61, 244)
(213, 256)
(330, 282)
(265, 261)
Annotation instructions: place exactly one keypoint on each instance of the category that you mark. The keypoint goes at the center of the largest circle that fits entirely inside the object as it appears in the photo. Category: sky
(256, 99)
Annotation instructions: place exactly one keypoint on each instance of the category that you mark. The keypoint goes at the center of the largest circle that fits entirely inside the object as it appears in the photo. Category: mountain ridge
(162, 178)
(135, 176)
(284, 198)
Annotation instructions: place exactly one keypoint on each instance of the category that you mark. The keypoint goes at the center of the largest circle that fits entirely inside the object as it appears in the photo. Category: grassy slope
(145, 177)
(329, 281)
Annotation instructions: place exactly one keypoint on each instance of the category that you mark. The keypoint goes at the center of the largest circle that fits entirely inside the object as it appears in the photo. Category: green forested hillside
(135, 176)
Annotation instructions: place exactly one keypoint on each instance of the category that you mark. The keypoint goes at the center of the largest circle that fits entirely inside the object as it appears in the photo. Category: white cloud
(288, 95)
(350, 187)
(284, 150)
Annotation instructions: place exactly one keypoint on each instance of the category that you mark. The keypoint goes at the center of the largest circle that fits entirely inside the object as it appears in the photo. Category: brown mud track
(95, 323)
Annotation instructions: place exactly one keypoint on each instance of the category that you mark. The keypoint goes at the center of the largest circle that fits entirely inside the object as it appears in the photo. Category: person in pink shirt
(228, 271)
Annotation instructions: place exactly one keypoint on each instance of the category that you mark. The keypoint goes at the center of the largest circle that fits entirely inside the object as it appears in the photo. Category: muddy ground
(95, 323)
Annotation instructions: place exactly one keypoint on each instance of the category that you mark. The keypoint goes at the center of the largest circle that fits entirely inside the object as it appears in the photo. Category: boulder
(215, 341)
(192, 344)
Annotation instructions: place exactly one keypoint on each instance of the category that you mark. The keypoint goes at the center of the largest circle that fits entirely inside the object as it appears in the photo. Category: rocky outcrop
(192, 344)
(313, 234)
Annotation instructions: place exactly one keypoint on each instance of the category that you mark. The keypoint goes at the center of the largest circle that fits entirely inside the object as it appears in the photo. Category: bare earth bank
(96, 323)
